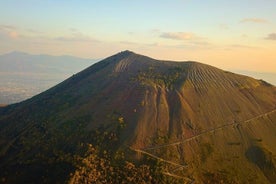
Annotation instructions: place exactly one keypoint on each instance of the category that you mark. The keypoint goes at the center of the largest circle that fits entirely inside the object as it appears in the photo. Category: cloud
(155, 30)
(34, 31)
(179, 35)
(201, 43)
(9, 31)
(76, 36)
(253, 20)
(74, 30)
(233, 47)
(223, 26)
(155, 44)
(271, 36)
(13, 34)
(242, 46)
(7, 27)
(128, 43)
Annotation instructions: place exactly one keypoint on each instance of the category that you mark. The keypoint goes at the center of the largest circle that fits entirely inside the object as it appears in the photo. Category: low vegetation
(167, 79)
(100, 167)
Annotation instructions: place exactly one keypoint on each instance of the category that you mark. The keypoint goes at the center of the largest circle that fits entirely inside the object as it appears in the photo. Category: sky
(237, 34)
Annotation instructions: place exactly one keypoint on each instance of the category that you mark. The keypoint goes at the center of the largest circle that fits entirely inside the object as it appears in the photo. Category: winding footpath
(207, 131)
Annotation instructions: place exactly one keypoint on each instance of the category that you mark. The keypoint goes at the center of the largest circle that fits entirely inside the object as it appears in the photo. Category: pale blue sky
(239, 34)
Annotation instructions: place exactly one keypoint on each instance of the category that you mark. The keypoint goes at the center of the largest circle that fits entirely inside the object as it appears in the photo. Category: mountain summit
(202, 123)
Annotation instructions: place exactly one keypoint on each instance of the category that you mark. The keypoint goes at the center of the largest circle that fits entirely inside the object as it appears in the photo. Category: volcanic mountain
(202, 124)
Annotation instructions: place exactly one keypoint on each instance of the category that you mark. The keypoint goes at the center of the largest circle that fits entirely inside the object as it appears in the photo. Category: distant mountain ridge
(24, 75)
(201, 123)
(266, 76)
(28, 63)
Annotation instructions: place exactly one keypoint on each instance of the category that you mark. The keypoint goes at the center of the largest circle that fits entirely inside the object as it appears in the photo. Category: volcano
(201, 123)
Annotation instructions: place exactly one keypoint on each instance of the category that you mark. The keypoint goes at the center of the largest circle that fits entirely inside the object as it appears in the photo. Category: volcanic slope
(204, 124)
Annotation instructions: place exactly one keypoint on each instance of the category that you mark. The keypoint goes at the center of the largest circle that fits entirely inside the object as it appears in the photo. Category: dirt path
(190, 180)
(206, 132)
(158, 158)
